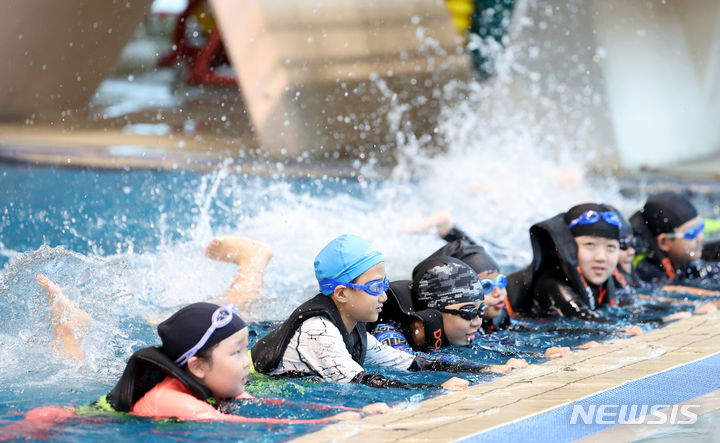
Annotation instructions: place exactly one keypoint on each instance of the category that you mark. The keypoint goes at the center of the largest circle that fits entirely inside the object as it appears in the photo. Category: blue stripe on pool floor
(665, 388)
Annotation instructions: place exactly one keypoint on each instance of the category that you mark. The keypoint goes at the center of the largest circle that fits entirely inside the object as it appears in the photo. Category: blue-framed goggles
(374, 287)
(592, 217)
(488, 285)
(690, 233)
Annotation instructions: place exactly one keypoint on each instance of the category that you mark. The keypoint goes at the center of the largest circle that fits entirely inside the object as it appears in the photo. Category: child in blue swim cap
(327, 335)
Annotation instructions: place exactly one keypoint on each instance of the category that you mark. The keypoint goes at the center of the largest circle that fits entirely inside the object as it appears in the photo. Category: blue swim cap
(344, 259)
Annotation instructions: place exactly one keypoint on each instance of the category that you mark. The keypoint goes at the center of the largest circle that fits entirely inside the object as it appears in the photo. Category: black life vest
(554, 250)
(399, 309)
(269, 350)
(501, 321)
(145, 369)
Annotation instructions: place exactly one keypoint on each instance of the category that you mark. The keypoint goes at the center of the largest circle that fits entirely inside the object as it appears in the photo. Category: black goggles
(628, 242)
(468, 312)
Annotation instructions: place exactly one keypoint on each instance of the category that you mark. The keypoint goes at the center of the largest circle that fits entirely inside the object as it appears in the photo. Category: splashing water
(128, 247)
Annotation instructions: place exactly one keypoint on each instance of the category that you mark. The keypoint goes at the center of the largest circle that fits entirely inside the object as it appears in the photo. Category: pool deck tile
(538, 388)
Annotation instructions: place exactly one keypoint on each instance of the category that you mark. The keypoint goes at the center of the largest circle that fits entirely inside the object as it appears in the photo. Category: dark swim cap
(666, 211)
(600, 229)
(626, 229)
(186, 327)
(442, 281)
(474, 256)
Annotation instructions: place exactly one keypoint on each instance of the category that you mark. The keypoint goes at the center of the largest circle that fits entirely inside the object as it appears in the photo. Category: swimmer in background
(627, 280)
(461, 246)
(442, 305)
(674, 233)
(249, 255)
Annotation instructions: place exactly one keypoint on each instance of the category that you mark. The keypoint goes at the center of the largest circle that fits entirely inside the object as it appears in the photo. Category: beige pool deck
(541, 388)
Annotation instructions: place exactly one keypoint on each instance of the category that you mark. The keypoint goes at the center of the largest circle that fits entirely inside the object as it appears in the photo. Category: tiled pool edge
(539, 388)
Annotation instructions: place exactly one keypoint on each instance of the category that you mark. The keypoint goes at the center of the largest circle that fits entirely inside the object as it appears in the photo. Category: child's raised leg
(252, 258)
(65, 320)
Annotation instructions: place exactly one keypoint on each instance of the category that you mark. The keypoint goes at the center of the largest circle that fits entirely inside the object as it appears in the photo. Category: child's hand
(499, 369)
(632, 330)
(346, 416)
(676, 316)
(455, 384)
(516, 363)
(557, 352)
(376, 408)
(705, 309)
(588, 345)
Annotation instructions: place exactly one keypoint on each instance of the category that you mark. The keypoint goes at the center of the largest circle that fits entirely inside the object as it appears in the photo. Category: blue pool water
(127, 248)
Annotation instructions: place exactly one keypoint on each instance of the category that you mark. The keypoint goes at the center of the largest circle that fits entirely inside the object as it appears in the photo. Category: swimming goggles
(468, 312)
(690, 233)
(629, 242)
(592, 217)
(374, 287)
(488, 285)
(220, 318)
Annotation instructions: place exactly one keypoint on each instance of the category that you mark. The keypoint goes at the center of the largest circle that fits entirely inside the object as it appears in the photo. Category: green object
(639, 257)
(99, 407)
(712, 225)
(490, 20)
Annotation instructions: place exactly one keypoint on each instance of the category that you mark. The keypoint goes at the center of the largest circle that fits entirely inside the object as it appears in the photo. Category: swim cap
(186, 327)
(344, 259)
(601, 228)
(441, 281)
(474, 256)
(666, 211)
(626, 228)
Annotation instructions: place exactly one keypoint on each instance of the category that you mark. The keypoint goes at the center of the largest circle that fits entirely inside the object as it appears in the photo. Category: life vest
(502, 321)
(145, 369)
(399, 309)
(269, 350)
(555, 251)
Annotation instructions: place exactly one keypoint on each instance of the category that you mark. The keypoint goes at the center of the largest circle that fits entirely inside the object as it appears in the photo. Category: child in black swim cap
(574, 255)
(674, 232)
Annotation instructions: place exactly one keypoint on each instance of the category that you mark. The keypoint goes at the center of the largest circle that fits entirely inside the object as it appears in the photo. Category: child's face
(458, 330)
(597, 257)
(681, 250)
(229, 366)
(625, 257)
(361, 306)
(495, 300)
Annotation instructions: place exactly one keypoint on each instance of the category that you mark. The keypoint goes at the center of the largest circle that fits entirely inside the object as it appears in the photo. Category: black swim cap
(441, 281)
(474, 256)
(626, 229)
(666, 211)
(186, 327)
(599, 229)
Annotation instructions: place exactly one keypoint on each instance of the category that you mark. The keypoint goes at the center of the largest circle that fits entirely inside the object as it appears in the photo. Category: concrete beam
(323, 77)
(56, 53)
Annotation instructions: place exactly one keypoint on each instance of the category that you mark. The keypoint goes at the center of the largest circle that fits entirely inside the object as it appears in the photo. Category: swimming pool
(127, 247)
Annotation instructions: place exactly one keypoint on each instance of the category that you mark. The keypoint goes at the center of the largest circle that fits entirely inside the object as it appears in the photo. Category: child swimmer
(441, 306)
(327, 335)
(202, 364)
